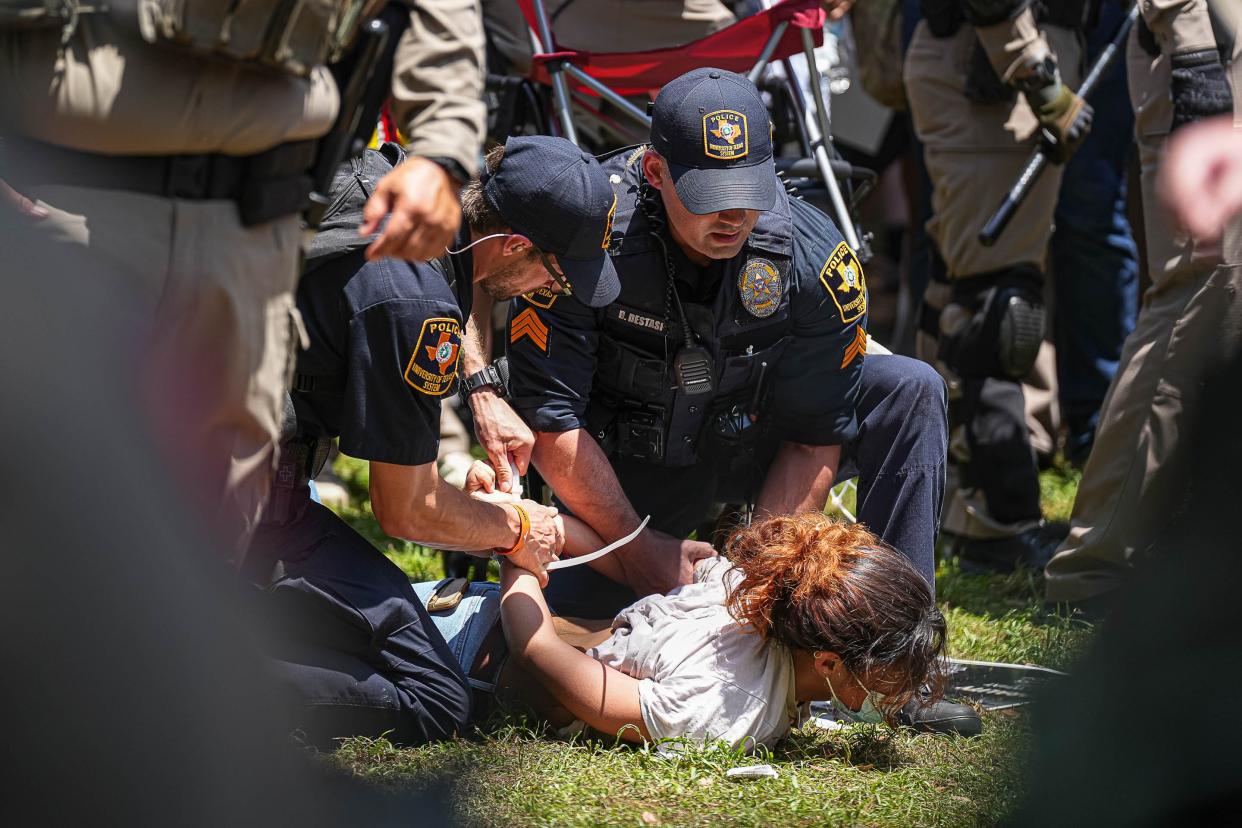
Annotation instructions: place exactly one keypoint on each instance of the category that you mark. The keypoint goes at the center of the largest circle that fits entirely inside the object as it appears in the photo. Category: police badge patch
(724, 135)
(760, 287)
(433, 365)
(842, 277)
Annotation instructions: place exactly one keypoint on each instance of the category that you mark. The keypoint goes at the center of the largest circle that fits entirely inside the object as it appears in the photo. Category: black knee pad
(994, 325)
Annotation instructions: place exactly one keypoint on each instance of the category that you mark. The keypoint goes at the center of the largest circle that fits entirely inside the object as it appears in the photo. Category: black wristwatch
(490, 375)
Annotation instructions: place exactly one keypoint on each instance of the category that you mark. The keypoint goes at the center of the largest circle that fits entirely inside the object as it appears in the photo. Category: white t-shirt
(701, 675)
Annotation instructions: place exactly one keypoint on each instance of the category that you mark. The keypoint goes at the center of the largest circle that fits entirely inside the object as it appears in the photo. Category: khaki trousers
(973, 154)
(975, 151)
(211, 309)
(1191, 318)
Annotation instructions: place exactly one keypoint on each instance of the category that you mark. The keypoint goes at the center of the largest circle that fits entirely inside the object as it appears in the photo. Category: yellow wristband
(522, 533)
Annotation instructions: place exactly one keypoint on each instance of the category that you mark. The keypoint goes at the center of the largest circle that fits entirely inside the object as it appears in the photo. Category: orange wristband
(522, 533)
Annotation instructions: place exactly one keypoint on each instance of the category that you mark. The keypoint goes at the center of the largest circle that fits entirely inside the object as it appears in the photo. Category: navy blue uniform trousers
(351, 642)
(898, 457)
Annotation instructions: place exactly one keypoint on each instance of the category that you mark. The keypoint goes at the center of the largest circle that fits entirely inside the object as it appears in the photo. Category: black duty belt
(265, 186)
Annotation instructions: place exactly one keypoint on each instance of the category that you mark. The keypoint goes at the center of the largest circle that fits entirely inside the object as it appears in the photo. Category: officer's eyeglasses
(561, 281)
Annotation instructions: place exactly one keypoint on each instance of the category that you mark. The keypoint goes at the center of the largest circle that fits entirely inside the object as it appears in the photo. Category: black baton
(1039, 158)
(343, 140)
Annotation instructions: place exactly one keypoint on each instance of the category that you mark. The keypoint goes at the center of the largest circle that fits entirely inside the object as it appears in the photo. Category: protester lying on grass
(800, 609)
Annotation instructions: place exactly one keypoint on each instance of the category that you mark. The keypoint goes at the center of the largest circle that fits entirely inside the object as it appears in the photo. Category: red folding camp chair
(783, 29)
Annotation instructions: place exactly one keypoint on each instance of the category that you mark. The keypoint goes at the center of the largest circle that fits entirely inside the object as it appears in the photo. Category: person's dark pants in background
(351, 642)
(898, 458)
(1094, 260)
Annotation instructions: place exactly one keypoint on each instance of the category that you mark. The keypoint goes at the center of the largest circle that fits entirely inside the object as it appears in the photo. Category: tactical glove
(1200, 89)
(1065, 119)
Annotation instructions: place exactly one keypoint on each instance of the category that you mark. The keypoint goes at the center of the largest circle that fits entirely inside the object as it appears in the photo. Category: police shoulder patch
(842, 277)
(759, 285)
(528, 325)
(724, 135)
(542, 298)
(433, 365)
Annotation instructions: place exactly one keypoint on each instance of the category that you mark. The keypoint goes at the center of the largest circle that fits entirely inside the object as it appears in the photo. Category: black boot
(1031, 549)
(942, 716)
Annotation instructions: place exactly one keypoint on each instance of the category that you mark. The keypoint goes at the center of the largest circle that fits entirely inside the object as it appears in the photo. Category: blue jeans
(1093, 258)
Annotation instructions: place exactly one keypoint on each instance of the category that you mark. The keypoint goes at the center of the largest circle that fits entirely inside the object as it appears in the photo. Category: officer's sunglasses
(561, 281)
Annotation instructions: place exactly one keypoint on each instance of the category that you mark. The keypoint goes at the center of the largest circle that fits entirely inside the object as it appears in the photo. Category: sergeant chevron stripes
(528, 324)
(858, 346)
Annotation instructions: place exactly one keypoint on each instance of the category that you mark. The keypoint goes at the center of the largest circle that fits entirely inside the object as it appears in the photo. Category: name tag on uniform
(638, 319)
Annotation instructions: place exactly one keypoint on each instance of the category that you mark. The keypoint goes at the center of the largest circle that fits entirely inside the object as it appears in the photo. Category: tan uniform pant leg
(973, 154)
(211, 306)
(606, 25)
(1190, 318)
(975, 151)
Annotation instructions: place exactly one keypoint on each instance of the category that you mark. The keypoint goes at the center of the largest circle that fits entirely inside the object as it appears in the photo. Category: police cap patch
(724, 135)
(842, 277)
(433, 365)
(760, 287)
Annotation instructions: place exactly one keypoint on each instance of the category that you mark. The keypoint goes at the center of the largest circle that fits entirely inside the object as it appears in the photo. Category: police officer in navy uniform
(355, 645)
(731, 368)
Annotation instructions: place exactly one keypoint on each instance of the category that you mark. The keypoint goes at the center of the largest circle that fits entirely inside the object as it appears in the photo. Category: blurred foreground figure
(1175, 761)
(174, 160)
(138, 696)
(1201, 182)
(1189, 319)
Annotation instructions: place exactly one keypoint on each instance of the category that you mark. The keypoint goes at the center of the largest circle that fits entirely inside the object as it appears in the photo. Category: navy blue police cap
(712, 128)
(559, 197)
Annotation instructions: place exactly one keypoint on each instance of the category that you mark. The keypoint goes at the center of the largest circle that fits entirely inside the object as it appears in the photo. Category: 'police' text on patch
(528, 325)
(724, 135)
(433, 365)
(842, 277)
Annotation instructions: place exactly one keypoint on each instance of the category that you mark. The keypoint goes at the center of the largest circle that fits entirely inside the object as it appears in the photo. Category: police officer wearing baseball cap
(385, 339)
(731, 368)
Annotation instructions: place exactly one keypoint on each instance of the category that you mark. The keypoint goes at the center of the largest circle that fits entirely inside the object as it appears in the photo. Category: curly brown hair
(814, 584)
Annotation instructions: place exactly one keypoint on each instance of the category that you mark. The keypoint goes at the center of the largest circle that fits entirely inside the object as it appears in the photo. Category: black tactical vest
(637, 410)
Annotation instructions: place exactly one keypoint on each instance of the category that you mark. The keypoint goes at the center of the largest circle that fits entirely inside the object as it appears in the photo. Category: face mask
(869, 711)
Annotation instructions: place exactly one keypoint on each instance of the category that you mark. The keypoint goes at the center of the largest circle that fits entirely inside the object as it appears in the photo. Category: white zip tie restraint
(581, 559)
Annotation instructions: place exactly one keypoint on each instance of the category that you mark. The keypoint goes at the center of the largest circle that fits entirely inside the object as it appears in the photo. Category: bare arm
(604, 698)
(799, 479)
(578, 471)
(580, 539)
(415, 503)
(499, 429)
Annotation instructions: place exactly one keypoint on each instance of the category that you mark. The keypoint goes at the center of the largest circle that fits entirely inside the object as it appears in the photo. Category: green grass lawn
(512, 773)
